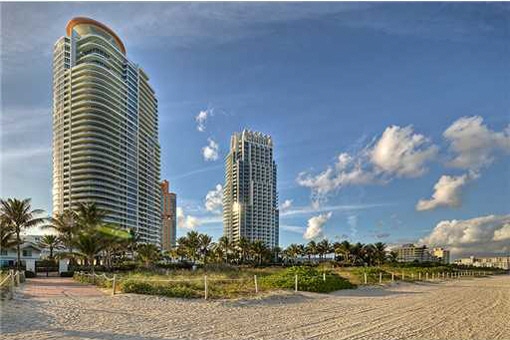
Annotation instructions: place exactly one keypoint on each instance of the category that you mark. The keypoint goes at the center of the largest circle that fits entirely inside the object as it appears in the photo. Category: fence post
(295, 283)
(419, 276)
(256, 285)
(403, 276)
(324, 277)
(17, 279)
(426, 276)
(205, 287)
(113, 283)
(392, 277)
(433, 276)
(11, 273)
(380, 277)
(365, 278)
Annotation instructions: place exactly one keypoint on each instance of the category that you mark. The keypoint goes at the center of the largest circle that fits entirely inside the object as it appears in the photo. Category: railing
(13, 279)
(381, 277)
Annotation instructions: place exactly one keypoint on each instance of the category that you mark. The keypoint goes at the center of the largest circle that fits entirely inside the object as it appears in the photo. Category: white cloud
(352, 220)
(473, 144)
(214, 199)
(447, 192)
(402, 153)
(479, 235)
(201, 119)
(210, 151)
(399, 152)
(293, 228)
(186, 221)
(285, 206)
(315, 226)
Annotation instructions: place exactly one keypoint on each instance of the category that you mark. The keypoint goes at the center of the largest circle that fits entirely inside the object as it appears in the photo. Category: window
(27, 252)
(3, 252)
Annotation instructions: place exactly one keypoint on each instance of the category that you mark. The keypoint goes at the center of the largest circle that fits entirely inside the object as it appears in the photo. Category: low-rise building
(501, 262)
(30, 253)
(442, 255)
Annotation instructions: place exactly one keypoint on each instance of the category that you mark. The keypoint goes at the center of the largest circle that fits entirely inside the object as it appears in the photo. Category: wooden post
(205, 287)
(419, 276)
(412, 276)
(256, 285)
(427, 276)
(403, 276)
(17, 278)
(380, 277)
(392, 277)
(295, 283)
(114, 283)
(11, 273)
(324, 277)
(433, 276)
(365, 278)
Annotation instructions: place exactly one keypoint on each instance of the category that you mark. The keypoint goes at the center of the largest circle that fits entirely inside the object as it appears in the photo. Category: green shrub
(66, 274)
(29, 274)
(309, 279)
(183, 290)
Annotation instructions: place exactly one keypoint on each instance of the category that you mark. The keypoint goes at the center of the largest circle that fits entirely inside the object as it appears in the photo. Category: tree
(65, 224)
(88, 245)
(244, 246)
(368, 254)
(356, 254)
(51, 242)
(380, 253)
(7, 236)
(148, 254)
(18, 215)
(258, 249)
(205, 242)
(225, 247)
(89, 215)
(344, 250)
(192, 245)
(311, 249)
(323, 248)
(393, 256)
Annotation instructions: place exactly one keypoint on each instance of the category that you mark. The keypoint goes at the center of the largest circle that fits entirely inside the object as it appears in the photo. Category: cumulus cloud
(399, 152)
(201, 119)
(447, 192)
(214, 199)
(186, 221)
(210, 151)
(473, 145)
(402, 152)
(315, 228)
(285, 206)
(479, 235)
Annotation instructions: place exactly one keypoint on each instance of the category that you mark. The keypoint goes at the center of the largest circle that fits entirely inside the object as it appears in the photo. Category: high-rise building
(250, 198)
(169, 216)
(105, 130)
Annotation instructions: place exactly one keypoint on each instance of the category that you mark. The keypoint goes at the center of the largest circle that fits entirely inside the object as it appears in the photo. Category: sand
(475, 308)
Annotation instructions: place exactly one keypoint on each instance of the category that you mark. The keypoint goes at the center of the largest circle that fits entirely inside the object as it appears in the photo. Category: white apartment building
(105, 130)
(250, 198)
(501, 262)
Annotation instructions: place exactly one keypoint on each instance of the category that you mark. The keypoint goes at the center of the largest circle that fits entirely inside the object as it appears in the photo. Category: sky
(390, 120)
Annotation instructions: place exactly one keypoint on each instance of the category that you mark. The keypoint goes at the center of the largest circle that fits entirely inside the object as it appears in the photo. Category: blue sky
(368, 104)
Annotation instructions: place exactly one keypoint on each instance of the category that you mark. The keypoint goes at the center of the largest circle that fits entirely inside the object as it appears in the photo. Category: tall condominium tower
(250, 199)
(169, 216)
(105, 130)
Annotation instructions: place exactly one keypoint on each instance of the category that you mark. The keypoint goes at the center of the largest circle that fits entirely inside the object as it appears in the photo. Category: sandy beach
(466, 309)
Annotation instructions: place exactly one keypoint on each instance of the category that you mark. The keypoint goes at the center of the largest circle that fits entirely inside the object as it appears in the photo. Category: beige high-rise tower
(250, 198)
(105, 130)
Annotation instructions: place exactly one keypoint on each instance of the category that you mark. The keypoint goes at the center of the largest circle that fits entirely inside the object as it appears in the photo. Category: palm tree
(18, 215)
(368, 254)
(89, 215)
(225, 246)
(204, 245)
(65, 224)
(7, 236)
(393, 256)
(311, 249)
(88, 245)
(380, 252)
(323, 248)
(51, 242)
(356, 254)
(258, 249)
(148, 254)
(244, 247)
(344, 249)
(192, 245)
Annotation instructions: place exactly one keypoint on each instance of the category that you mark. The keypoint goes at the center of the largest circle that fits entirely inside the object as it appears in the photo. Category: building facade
(250, 198)
(442, 255)
(501, 262)
(412, 253)
(168, 215)
(105, 130)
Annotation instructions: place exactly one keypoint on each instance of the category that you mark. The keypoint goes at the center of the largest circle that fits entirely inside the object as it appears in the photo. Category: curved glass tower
(105, 130)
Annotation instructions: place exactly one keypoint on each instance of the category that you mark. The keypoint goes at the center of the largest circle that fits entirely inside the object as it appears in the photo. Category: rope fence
(13, 279)
(207, 282)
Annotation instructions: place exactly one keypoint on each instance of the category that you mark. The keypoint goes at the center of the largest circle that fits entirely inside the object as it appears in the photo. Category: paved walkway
(51, 287)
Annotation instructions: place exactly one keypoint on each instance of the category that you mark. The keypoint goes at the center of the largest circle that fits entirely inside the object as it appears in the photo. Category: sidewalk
(51, 287)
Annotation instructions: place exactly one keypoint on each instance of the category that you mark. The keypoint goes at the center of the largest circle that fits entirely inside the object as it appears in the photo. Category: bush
(183, 290)
(29, 274)
(309, 279)
(67, 274)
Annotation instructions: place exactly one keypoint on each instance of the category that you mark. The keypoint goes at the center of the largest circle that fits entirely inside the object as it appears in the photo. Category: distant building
(412, 253)
(169, 216)
(501, 262)
(442, 255)
(250, 198)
